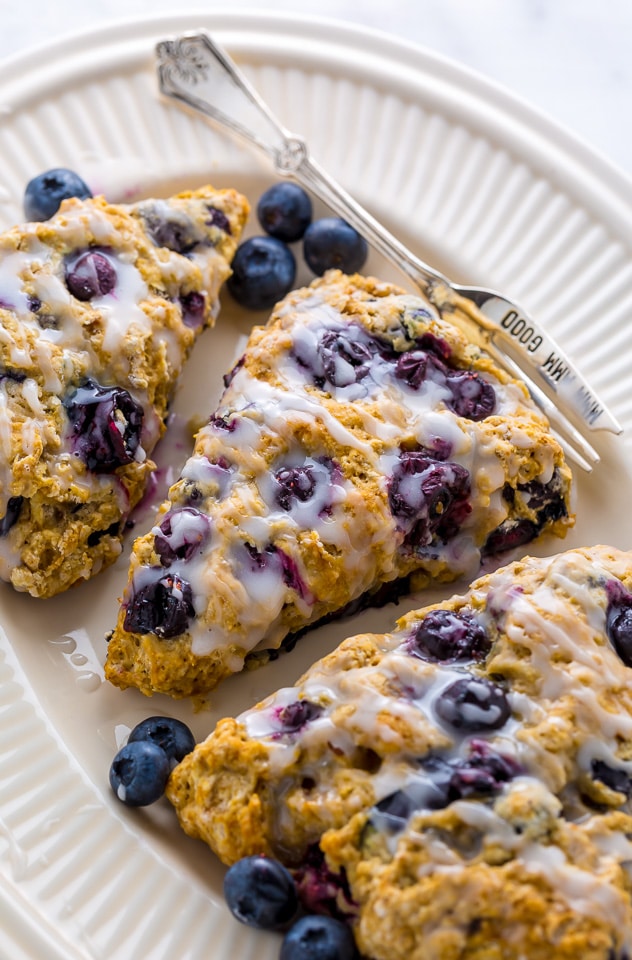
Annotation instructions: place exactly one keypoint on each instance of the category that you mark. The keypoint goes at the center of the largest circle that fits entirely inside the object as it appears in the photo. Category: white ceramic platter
(476, 183)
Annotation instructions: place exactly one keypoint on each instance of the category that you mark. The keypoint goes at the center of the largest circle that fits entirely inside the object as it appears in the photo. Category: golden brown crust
(276, 410)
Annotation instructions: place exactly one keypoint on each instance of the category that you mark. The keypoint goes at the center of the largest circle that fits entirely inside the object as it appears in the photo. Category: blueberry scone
(99, 307)
(361, 444)
(457, 788)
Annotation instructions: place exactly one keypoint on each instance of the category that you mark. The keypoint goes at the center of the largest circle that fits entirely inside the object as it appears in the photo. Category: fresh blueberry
(285, 211)
(171, 735)
(472, 397)
(445, 636)
(106, 425)
(11, 516)
(163, 607)
(295, 715)
(90, 275)
(318, 938)
(473, 704)
(139, 773)
(182, 533)
(263, 272)
(45, 192)
(261, 893)
(332, 243)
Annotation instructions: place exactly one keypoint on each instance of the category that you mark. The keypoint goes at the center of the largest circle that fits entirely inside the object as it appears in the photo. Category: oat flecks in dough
(479, 836)
(361, 443)
(99, 308)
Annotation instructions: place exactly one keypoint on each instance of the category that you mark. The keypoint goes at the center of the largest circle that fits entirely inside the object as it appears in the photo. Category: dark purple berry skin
(177, 234)
(296, 715)
(45, 192)
(163, 607)
(285, 211)
(344, 360)
(171, 735)
(331, 243)
(619, 620)
(429, 498)
(473, 704)
(92, 274)
(106, 425)
(263, 272)
(139, 773)
(472, 397)
(261, 893)
(294, 483)
(319, 938)
(193, 309)
(412, 368)
(12, 515)
(615, 779)
(218, 219)
(445, 636)
(509, 535)
(483, 772)
(182, 533)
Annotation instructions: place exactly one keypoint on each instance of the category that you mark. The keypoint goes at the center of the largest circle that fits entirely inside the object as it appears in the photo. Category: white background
(572, 59)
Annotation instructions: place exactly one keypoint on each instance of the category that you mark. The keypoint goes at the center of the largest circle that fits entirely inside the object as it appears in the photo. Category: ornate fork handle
(198, 72)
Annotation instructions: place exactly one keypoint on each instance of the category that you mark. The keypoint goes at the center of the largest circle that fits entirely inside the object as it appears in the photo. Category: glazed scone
(99, 308)
(361, 443)
(457, 788)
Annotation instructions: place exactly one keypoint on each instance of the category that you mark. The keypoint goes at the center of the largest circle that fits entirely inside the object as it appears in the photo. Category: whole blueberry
(318, 938)
(171, 735)
(92, 274)
(285, 211)
(332, 243)
(448, 635)
(45, 192)
(139, 773)
(473, 704)
(261, 892)
(263, 272)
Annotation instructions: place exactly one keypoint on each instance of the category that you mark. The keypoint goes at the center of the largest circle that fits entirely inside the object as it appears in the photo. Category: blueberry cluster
(264, 267)
(262, 893)
(139, 771)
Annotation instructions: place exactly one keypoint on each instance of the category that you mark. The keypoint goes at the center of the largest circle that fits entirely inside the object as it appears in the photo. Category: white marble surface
(568, 58)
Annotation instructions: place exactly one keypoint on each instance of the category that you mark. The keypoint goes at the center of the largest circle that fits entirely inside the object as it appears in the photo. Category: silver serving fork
(196, 71)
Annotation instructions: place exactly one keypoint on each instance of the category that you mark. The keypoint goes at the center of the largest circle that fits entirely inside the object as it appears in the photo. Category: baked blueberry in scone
(459, 787)
(362, 446)
(99, 307)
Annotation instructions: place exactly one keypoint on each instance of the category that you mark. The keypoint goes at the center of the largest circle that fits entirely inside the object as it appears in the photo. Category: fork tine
(573, 442)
